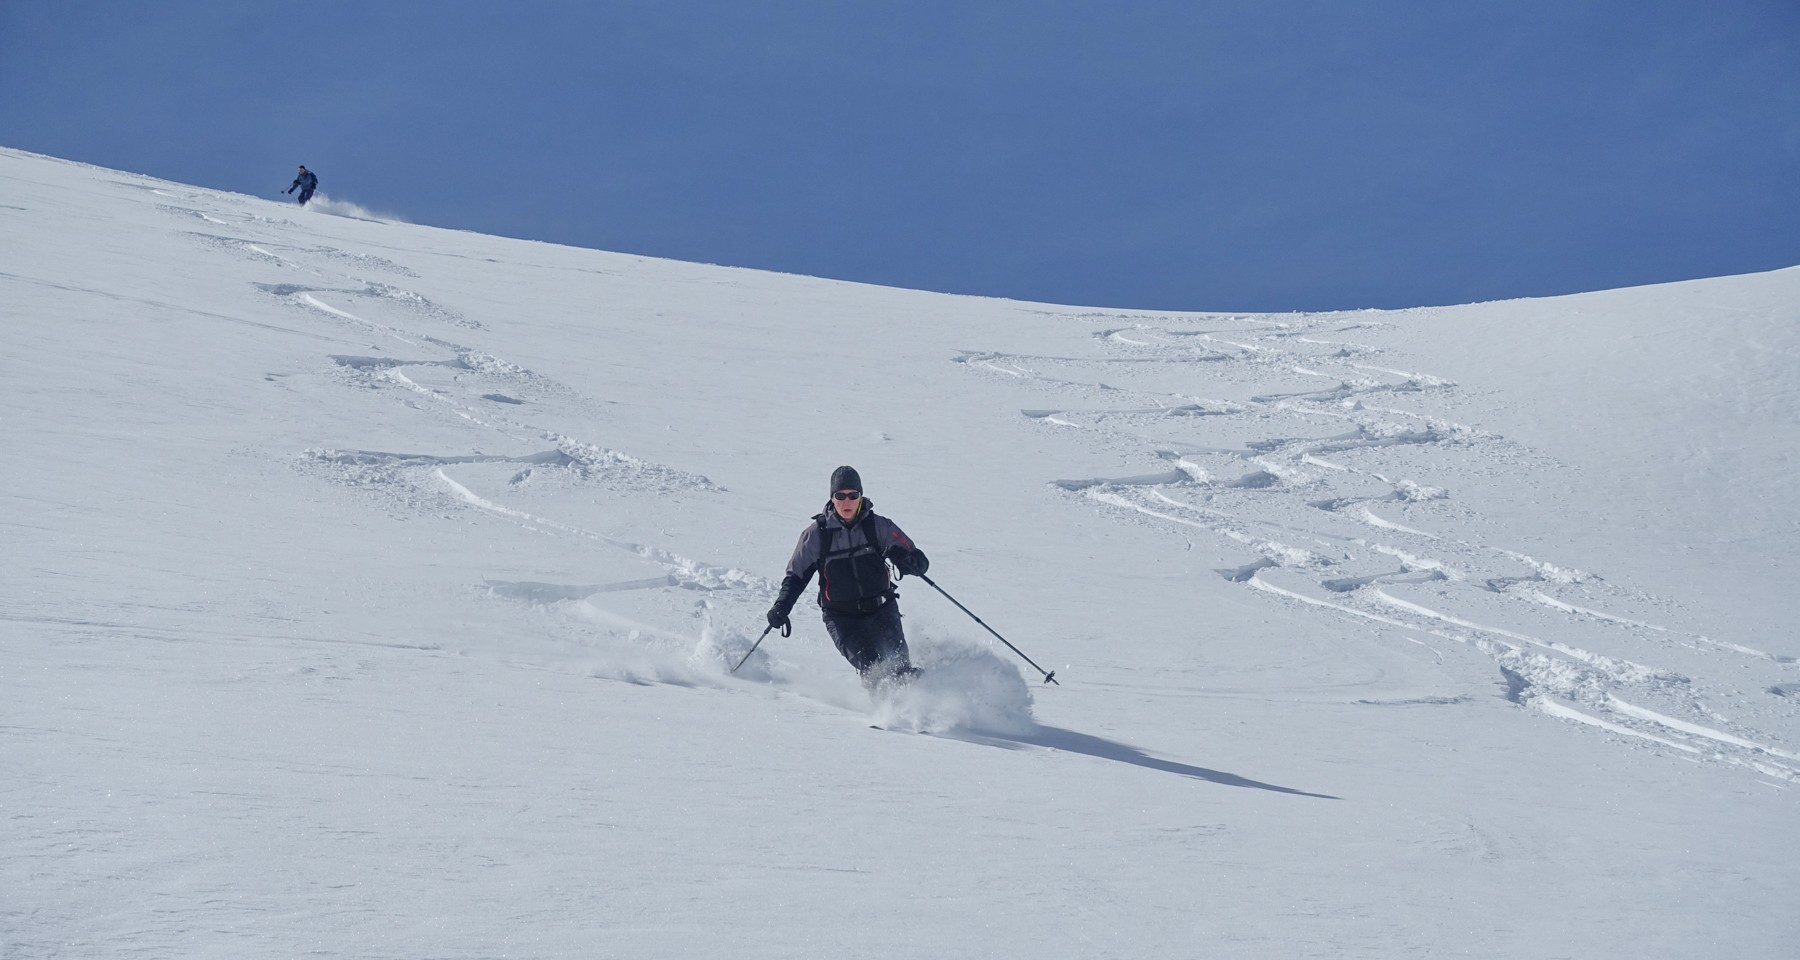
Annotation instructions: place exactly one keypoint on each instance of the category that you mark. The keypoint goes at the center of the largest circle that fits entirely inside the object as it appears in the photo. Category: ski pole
(758, 643)
(1049, 676)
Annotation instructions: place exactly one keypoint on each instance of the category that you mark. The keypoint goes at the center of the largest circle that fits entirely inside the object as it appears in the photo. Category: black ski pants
(870, 641)
(305, 195)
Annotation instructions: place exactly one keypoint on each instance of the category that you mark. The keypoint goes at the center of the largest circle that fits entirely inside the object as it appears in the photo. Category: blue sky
(1234, 155)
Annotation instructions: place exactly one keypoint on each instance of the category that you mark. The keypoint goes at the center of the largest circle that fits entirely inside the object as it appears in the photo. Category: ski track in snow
(967, 690)
(1338, 504)
(444, 378)
(465, 658)
(1346, 506)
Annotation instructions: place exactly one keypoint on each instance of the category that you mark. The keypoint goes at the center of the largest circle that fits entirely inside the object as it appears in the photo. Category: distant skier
(307, 181)
(848, 546)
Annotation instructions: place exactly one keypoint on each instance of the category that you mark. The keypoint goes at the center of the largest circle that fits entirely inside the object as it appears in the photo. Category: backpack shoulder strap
(872, 531)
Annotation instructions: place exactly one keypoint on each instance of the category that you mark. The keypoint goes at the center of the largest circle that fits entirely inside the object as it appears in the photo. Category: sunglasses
(847, 495)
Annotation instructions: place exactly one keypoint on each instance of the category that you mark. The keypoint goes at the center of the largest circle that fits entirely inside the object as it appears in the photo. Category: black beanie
(845, 478)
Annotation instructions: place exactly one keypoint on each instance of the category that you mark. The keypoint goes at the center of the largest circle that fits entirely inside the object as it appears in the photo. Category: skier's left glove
(911, 563)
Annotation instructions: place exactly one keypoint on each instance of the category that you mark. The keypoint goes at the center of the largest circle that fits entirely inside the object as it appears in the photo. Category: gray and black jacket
(850, 559)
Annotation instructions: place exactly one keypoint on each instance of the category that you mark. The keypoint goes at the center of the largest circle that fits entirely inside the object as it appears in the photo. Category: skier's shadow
(1056, 738)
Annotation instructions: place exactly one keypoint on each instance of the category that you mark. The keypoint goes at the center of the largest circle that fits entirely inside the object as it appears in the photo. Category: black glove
(784, 603)
(288, 190)
(778, 620)
(911, 562)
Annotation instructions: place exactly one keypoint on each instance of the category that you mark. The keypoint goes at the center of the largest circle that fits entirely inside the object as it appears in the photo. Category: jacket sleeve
(892, 537)
(895, 545)
(800, 568)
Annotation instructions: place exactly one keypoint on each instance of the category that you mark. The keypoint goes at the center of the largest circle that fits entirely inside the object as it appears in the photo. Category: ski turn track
(1344, 504)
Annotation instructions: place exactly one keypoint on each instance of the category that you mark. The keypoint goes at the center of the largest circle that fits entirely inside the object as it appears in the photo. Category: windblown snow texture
(373, 590)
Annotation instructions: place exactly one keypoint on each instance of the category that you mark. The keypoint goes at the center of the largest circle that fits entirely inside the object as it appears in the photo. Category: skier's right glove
(785, 598)
(778, 620)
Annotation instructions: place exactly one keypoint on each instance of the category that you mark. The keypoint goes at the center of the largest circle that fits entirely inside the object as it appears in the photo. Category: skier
(847, 545)
(307, 181)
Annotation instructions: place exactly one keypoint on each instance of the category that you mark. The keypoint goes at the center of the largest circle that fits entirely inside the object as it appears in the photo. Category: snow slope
(370, 590)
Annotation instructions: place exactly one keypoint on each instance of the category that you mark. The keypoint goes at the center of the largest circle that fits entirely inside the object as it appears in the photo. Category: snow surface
(370, 591)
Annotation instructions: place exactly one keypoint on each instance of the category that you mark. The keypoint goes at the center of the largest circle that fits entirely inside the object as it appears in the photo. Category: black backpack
(852, 579)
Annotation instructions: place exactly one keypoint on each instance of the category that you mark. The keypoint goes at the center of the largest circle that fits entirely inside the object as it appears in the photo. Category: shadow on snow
(1069, 741)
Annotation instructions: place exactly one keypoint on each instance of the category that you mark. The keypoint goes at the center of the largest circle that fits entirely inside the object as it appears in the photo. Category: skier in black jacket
(307, 182)
(848, 545)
